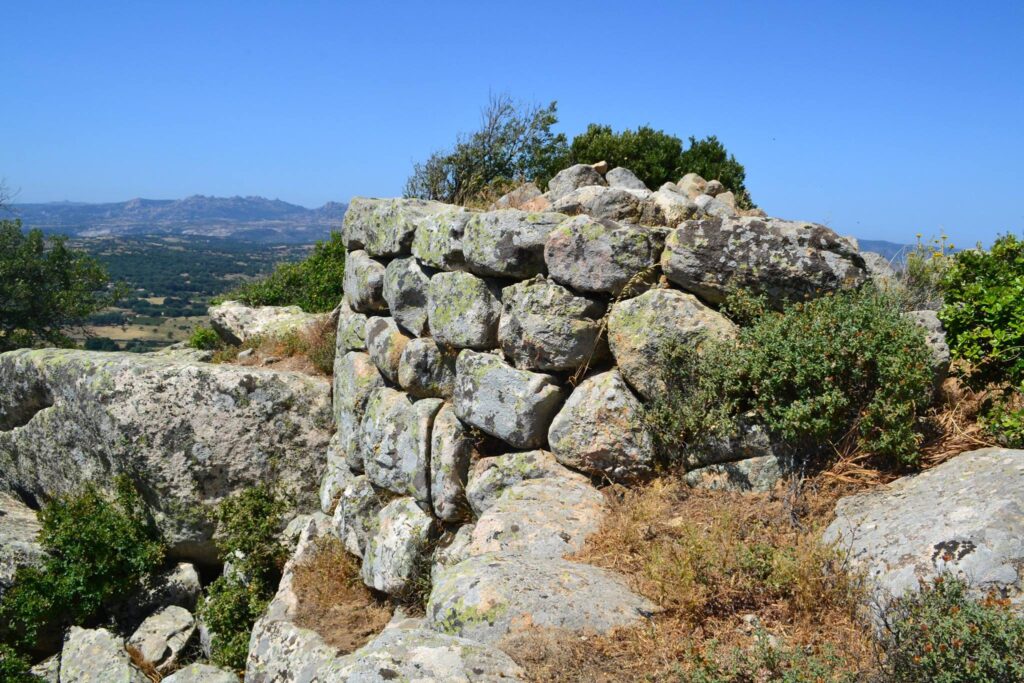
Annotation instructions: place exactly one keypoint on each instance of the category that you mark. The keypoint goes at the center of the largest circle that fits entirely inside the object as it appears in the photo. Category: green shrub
(941, 635)
(314, 284)
(1003, 417)
(98, 549)
(249, 524)
(923, 272)
(15, 668)
(984, 311)
(767, 662)
(204, 338)
(846, 366)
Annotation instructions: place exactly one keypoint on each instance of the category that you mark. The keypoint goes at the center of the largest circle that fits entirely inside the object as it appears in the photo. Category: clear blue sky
(879, 119)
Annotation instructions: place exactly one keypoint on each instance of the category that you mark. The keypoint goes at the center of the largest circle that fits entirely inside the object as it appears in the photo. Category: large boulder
(569, 179)
(463, 310)
(692, 185)
(385, 227)
(601, 431)
(784, 260)
(544, 326)
(237, 323)
(674, 205)
(364, 283)
(508, 242)
(19, 544)
(163, 637)
(385, 343)
(602, 255)
(516, 406)
(96, 656)
(395, 438)
(964, 517)
(624, 178)
(642, 329)
(438, 240)
(355, 519)
(613, 203)
(426, 370)
(451, 450)
(395, 553)
(490, 477)
(488, 596)
(189, 434)
(351, 333)
(405, 290)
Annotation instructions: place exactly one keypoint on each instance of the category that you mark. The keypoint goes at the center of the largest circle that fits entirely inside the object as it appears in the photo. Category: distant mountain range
(253, 219)
(895, 252)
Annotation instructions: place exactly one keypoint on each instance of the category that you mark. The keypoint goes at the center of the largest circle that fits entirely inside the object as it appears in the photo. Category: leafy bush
(98, 549)
(941, 635)
(204, 338)
(314, 284)
(984, 311)
(249, 524)
(653, 155)
(1003, 417)
(15, 668)
(846, 367)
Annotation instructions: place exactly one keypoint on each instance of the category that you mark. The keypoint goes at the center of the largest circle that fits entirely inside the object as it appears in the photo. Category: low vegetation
(205, 339)
(310, 350)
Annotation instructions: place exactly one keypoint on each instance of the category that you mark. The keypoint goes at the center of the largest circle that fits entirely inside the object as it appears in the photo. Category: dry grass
(142, 664)
(332, 599)
(953, 426)
(310, 350)
(727, 570)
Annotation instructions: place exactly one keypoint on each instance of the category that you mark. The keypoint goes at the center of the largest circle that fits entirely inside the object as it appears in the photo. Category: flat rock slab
(486, 597)
(965, 517)
(192, 433)
(237, 323)
(96, 656)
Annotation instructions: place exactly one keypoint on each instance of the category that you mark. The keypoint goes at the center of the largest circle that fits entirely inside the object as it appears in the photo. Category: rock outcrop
(237, 323)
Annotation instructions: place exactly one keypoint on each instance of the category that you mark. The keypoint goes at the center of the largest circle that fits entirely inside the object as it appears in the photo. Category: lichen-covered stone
(488, 596)
(675, 206)
(19, 539)
(96, 656)
(544, 326)
(602, 255)
(351, 333)
(395, 437)
(201, 673)
(489, 477)
(355, 379)
(601, 431)
(463, 311)
(642, 329)
(438, 240)
(753, 474)
(785, 260)
(396, 551)
(612, 203)
(514, 405)
(711, 206)
(385, 227)
(336, 477)
(569, 179)
(237, 323)
(385, 344)
(364, 283)
(692, 185)
(189, 433)
(426, 370)
(935, 338)
(451, 449)
(964, 517)
(164, 636)
(405, 290)
(508, 242)
(355, 516)
(621, 176)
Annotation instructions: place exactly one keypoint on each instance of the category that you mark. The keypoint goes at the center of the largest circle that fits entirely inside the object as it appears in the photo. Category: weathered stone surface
(19, 544)
(514, 405)
(236, 322)
(601, 256)
(385, 227)
(544, 326)
(713, 207)
(692, 185)
(427, 371)
(517, 197)
(336, 477)
(405, 290)
(438, 241)
(490, 477)
(714, 188)
(355, 516)
(881, 272)
(178, 586)
(190, 433)
(674, 205)
(396, 442)
(395, 552)
(964, 517)
(601, 431)
(935, 337)
(753, 474)
(355, 379)
(623, 177)
(751, 441)
(785, 260)
(612, 203)
(569, 179)
(463, 311)
(385, 344)
(364, 283)
(201, 673)
(96, 656)
(641, 329)
(508, 242)
(163, 637)
(48, 670)
(451, 449)
(351, 334)
(727, 198)
(486, 597)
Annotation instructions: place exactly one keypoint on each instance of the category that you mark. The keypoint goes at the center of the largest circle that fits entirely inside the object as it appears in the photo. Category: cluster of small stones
(492, 366)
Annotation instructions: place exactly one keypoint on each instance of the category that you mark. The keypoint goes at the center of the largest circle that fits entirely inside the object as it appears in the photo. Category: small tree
(514, 143)
(653, 155)
(46, 287)
(709, 159)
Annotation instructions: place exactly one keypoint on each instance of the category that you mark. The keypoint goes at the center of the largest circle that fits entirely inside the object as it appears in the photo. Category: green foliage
(845, 368)
(941, 635)
(98, 549)
(923, 273)
(767, 662)
(100, 344)
(984, 311)
(513, 144)
(653, 155)
(1003, 418)
(314, 284)
(15, 668)
(709, 159)
(204, 338)
(249, 524)
(46, 287)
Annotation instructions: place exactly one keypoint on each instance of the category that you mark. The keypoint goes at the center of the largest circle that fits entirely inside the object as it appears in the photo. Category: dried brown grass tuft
(310, 350)
(332, 599)
(142, 664)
